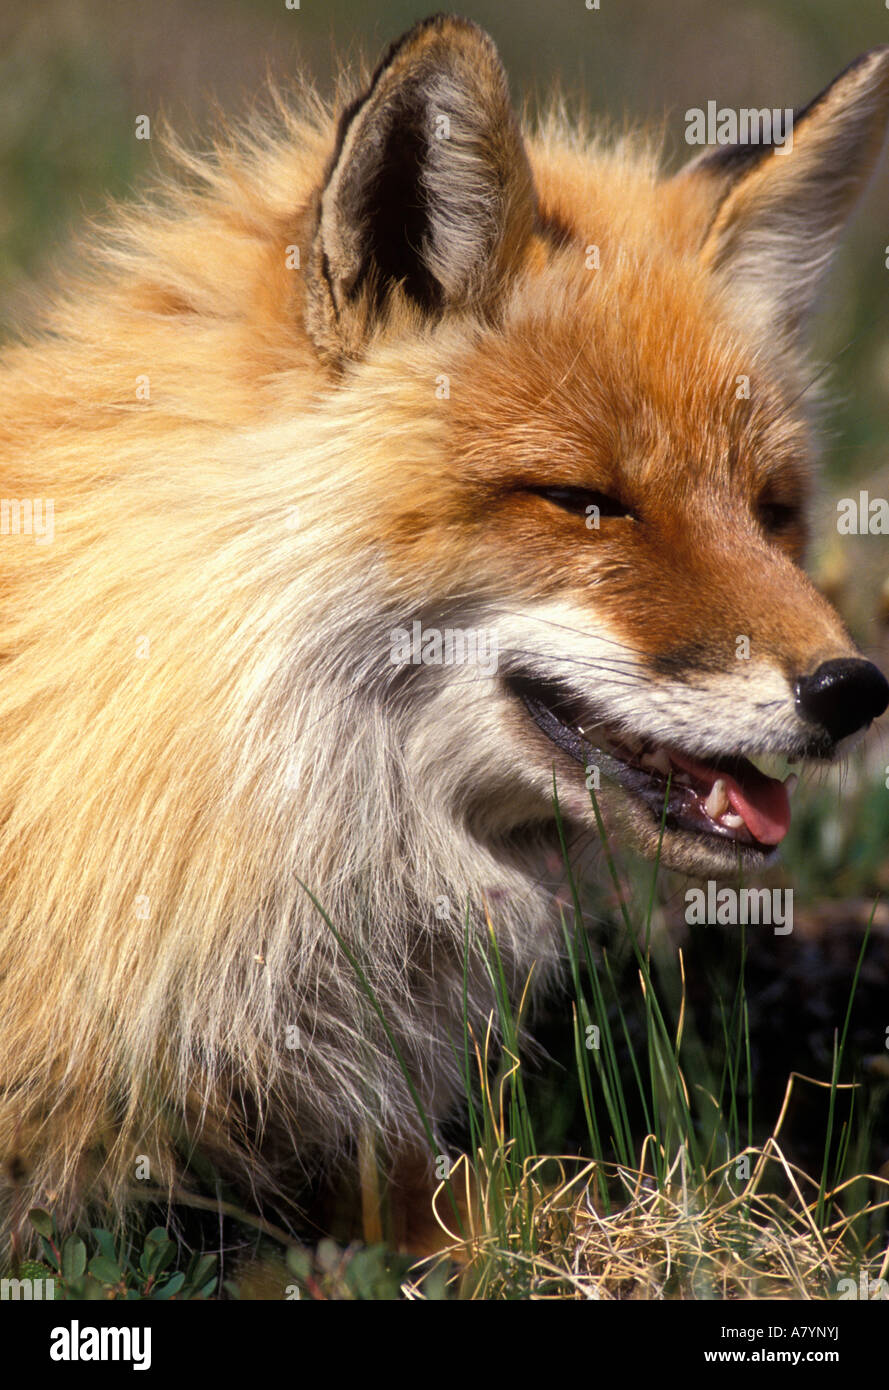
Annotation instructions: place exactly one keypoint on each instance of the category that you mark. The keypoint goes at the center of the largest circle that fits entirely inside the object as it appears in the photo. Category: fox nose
(842, 696)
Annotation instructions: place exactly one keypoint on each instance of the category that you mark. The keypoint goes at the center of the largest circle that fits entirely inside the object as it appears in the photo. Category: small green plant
(370, 1272)
(98, 1269)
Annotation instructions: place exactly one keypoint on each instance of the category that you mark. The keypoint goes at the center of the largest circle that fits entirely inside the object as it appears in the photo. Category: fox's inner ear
(429, 188)
(779, 211)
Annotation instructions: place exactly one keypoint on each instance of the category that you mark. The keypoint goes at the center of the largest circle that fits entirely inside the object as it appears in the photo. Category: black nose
(842, 696)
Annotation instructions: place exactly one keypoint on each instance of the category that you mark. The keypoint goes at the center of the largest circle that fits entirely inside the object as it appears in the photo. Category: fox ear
(780, 210)
(429, 188)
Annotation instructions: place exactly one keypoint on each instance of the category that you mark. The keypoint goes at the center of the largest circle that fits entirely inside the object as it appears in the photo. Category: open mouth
(724, 798)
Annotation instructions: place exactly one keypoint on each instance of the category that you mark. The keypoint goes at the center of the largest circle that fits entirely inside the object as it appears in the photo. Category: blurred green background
(74, 74)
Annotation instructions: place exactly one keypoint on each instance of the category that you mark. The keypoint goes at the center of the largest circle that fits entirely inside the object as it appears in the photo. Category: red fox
(385, 463)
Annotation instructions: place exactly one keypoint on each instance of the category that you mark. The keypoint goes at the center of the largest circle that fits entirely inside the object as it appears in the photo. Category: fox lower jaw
(648, 794)
(663, 790)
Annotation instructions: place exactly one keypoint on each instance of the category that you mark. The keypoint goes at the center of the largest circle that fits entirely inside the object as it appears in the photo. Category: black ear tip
(879, 54)
(442, 22)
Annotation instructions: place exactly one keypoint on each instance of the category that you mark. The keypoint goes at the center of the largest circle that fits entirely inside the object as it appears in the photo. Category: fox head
(596, 384)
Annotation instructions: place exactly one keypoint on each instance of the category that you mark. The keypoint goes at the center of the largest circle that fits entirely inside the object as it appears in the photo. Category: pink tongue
(762, 802)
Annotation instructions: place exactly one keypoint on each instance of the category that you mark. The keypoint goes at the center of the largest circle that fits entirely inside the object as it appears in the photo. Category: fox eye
(580, 500)
(776, 517)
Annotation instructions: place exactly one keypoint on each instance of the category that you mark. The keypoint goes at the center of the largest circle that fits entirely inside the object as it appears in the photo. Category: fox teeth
(658, 761)
(791, 784)
(717, 801)
(732, 821)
